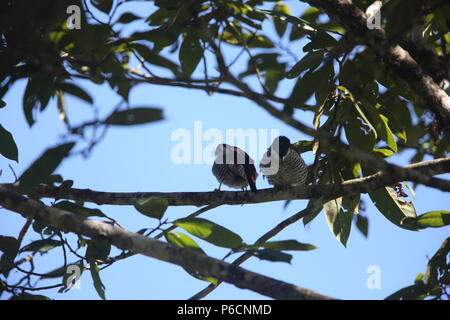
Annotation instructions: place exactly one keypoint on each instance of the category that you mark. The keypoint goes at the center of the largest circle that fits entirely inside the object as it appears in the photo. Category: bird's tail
(250, 174)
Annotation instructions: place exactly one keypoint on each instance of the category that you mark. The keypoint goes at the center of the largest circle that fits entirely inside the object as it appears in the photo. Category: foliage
(351, 92)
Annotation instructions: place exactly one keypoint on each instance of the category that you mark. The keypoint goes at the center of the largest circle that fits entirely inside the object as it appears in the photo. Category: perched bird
(233, 167)
(282, 165)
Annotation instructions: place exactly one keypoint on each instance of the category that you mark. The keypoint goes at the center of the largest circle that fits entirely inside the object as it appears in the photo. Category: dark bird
(233, 167)
(282, 165)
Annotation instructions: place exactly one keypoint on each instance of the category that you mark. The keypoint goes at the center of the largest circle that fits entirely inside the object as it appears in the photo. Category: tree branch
(419, 172)
(187, 84)
(125, 240)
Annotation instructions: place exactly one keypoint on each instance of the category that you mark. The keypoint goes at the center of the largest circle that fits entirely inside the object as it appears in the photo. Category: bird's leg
(218, 189)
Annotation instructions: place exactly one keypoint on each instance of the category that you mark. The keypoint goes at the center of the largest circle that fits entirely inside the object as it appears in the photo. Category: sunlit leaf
(184, 241)
(390, 140)
(280, 22)
(432, 219)
(210, 231)
(339, 221)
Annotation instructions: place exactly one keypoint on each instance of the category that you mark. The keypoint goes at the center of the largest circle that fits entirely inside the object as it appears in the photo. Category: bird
(282, 165)
(233, 167)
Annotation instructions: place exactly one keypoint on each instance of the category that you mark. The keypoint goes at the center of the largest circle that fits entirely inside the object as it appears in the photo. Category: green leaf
(43, 167)
(211, 232)
(2, 104)
(320, 40)
(41, 245)
(280, 22)
(323, 77)
(310, 217)
(9, 246)
(287, 245)
(390, 140)
(151, 56)
(191, 52)
(152, 207)
(414, 292)
(8, 147)
(128, 17)
(302, 91)
(310, 61)
(351, 203)
(134, 116)
(432, 219)
(184, 241)
(56, 273)
(366, 120)
(339, 221)
(272, 255)
(103, 5)
(362, 224)
(77, 209)
(76, 91)
(98, 284)
(357, 136)
(98, 250)
(384, 152)
(28, 296)
(388, 203)
(304, 24)
(38, 226)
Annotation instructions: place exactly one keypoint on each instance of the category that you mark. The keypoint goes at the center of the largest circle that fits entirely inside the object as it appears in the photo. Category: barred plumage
(233, 167)
(282, 165)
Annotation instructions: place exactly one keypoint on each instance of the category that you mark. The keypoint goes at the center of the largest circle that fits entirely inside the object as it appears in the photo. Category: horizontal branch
(207, 266)
(387, 177)
(189, 85)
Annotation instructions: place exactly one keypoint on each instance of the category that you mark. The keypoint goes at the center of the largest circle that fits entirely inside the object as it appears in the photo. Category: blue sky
(139, 159)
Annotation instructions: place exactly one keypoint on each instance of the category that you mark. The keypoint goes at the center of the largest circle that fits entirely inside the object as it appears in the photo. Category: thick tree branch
(125, 240)
(401, 62)
(420, 173)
